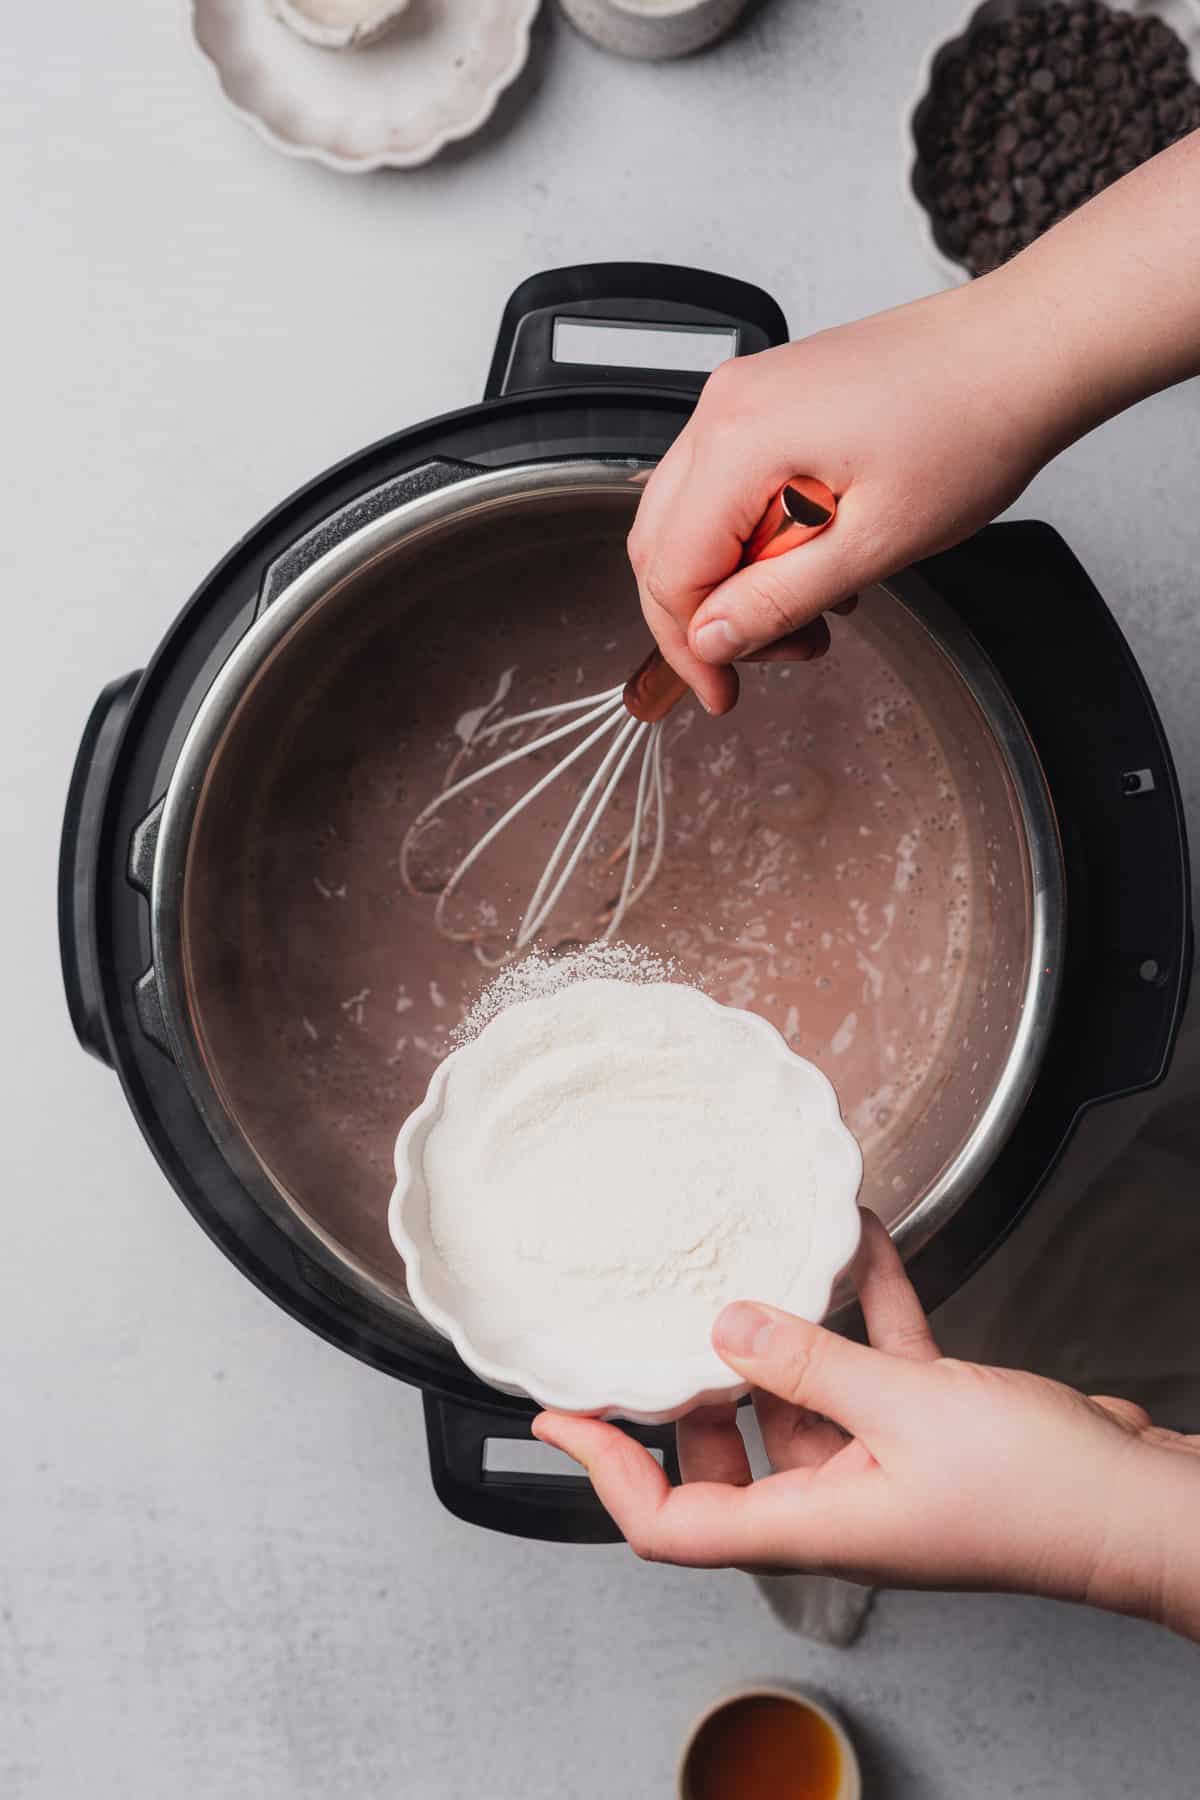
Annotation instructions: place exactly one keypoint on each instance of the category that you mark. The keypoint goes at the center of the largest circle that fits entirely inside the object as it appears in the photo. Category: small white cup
(654, 29)
(849, 1785)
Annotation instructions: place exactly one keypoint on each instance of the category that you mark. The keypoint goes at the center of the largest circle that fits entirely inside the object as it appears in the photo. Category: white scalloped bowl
(434, 78)
(617, 1387)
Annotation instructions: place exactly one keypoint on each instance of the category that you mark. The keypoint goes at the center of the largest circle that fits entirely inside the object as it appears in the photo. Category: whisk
(632, 717)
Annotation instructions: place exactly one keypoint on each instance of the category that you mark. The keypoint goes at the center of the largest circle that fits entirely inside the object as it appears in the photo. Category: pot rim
(232, 688)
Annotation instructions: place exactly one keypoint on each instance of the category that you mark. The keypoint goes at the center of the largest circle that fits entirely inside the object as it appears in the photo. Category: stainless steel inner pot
(306, 996)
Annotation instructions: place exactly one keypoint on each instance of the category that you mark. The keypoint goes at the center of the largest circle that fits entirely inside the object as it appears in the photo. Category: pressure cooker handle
(628, 325)
(78, 863)
(560, 1509)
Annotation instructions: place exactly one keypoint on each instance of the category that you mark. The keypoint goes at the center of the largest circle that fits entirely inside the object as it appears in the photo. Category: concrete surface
(222, 1571)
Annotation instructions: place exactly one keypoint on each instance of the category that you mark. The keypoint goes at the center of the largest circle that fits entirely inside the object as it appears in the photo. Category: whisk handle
(653, 689)
(802, 509)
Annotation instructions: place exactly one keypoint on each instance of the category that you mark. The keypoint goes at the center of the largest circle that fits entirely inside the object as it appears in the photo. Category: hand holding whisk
(632, 717)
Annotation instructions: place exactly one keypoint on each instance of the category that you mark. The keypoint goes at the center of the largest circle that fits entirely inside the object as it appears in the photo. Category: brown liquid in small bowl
(764, 1747)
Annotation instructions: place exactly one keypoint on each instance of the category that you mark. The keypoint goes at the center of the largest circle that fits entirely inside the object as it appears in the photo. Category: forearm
(1151, 1563)
(1108, 302)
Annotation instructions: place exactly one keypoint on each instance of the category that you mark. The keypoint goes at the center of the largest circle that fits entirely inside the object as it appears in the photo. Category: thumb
(865, 1391)
(768, 600)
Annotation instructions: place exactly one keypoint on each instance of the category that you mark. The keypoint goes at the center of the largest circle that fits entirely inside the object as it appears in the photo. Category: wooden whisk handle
(802, 509)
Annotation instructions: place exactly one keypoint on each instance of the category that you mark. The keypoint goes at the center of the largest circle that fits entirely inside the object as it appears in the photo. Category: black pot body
(1017, 587)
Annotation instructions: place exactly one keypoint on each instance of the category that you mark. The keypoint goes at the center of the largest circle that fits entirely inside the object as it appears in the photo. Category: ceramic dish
(1183, 16)
(690, 1780)
(434, 78)
(627, 1390)
(654, 29)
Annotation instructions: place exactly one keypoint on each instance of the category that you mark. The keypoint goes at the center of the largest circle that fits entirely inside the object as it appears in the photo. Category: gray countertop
(223, 1571)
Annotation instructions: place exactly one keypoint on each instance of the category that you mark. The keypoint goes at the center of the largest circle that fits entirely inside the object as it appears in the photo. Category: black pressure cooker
(202, 782)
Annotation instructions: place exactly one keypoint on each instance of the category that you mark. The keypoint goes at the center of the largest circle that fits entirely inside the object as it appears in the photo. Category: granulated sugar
(615, 1157)
(541, 973)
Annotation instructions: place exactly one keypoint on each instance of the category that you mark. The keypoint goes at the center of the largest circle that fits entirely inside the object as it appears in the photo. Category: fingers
(698, 510)
(793, 1437)
(786, 1520)
(809, 644)
(803, 1364)
(755, 606)
(1125, 1412)
(797, 1438)
(895, 1318)
(710, 1447)
(667, 606)
(618, 1465)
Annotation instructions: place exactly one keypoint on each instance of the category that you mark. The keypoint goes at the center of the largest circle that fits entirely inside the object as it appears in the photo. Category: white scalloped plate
(435, 78)
(654, 1395)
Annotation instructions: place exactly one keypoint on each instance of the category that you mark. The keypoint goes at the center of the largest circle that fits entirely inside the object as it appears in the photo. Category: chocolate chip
(1040, 109)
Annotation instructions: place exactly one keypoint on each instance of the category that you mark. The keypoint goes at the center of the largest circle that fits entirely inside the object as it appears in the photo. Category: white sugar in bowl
(591, 1179)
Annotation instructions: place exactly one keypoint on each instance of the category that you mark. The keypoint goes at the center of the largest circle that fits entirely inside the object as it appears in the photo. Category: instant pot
(209, 962)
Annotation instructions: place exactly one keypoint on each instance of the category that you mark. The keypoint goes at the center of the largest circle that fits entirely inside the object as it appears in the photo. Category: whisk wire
(606, 707)
(538, 911)
(487, 732)
(606, 714)
(611, 714)
(651, 769)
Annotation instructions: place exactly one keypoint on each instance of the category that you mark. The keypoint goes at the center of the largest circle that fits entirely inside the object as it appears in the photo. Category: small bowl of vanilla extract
(768, 1743)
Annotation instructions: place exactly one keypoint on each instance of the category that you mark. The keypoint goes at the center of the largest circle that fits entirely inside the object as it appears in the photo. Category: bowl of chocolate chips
(1039, 104)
